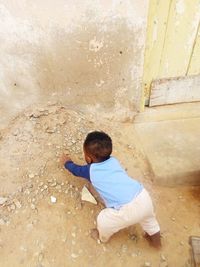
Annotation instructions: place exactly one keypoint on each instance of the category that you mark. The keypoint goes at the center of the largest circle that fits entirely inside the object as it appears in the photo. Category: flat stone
(87, 196)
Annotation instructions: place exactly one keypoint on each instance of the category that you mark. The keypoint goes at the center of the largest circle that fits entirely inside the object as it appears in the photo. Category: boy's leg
(152, 231)
(154, 240)
(110, 221)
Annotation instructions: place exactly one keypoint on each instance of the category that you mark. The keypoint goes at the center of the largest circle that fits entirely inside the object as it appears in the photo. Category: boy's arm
(77, 170)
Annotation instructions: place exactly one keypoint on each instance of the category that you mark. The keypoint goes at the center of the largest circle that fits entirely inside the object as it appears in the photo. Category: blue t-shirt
(110, 180)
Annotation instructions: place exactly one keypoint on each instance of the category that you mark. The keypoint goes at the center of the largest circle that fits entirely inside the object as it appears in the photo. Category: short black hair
(99, 145)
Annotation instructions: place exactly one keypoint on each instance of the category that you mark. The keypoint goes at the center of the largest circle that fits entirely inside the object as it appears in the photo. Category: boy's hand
(64, 158)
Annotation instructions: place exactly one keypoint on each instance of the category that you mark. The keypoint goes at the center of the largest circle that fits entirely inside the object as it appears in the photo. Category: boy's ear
(89, 160)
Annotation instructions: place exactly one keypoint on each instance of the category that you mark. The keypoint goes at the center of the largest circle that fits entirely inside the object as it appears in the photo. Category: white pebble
(3, 200)
(74, 256)
(53, 199)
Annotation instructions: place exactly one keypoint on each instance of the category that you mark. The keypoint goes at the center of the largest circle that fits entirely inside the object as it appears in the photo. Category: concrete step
(172, 145)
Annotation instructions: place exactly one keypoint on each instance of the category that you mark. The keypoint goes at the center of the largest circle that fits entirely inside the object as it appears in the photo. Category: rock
(2, 222)
(17, 203)
(58, 187)
(22, 248)
(16, 132)
(124, 248)
(53, 184)
(87, 196)
(31, 175)
(147, 264)
(50, 131)
(74, 256)
(162, 257)
(53, 199)
(66, 191)
(33, 206)
(3, 200)
(40, 257)
(134, 254)
(12, 207)
(73, 234)
(133, 237)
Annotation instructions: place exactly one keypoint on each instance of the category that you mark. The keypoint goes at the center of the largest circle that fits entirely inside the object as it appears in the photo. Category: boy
(127, 201)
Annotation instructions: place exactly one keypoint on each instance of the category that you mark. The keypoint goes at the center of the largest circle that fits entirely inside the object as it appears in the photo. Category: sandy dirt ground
(34, 232)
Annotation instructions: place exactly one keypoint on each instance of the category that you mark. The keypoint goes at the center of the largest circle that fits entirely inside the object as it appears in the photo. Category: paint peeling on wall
(180, 7)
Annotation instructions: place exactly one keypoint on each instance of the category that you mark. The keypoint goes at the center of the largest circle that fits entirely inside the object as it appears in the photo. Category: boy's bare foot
(154, 240)
(94, 234)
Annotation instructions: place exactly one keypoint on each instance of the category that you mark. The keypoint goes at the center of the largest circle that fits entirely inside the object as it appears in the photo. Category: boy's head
(97, 147)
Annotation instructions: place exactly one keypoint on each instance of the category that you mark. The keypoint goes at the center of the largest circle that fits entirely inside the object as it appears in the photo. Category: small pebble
(32, 206)
(147, 264)
(31, 175)
(74, 256)
(40, 257)
(2, 222)
(58, 187)
(73, 234)
(53, 199)
(17, 203)
(162, 257)
(3, 200)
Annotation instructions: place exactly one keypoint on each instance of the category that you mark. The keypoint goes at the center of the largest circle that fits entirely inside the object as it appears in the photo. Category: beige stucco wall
(85, 53)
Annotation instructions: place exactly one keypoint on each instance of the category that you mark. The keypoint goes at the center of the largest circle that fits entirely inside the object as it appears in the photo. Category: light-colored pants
(139, 210)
